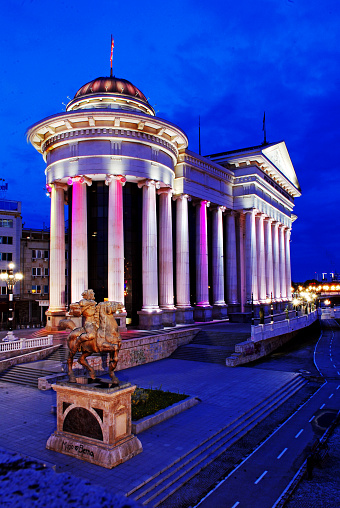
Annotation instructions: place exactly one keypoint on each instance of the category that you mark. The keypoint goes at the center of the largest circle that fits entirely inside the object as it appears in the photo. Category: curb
(163, 414)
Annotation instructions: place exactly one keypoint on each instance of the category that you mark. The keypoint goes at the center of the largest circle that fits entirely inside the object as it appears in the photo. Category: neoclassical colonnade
(250, 254)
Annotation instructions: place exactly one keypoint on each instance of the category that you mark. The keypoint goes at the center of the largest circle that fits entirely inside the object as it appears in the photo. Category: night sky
(225, 61)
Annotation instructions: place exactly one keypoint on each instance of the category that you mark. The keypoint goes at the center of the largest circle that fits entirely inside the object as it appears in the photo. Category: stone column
(57, 309)
(115, 238)
(219, 306)
(261, 261)
(268, 240)
(231, 264)
(250, 256)
(283, 282)
(276, 262)
(79, 264)
(150, 316)
(166, 276)
(203, 311)
(288, 267)
(184, 312)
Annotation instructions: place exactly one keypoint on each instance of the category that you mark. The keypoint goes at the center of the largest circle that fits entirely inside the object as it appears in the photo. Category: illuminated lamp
(327, 302)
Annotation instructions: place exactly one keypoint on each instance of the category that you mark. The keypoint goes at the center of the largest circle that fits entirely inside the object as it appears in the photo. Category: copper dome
(110, 85)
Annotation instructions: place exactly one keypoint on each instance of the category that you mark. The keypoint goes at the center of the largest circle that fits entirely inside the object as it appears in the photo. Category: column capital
(201, 201)
(59, 185)
(165, 190)
(228, 212)
(251, 211)
(79, 179)
(269, 219)
(117, 178)
(217, 208)
(181, 197)
(148, 183)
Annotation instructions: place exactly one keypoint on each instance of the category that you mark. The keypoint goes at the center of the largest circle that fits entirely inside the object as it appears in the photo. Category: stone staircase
(157, 489)
(210, 346)
(24, 375)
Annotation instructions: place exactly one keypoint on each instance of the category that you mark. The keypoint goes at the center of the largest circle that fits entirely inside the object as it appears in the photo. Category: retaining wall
(251, 350)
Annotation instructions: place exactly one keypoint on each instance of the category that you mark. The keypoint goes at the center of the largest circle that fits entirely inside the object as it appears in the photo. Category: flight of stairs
(210, 346)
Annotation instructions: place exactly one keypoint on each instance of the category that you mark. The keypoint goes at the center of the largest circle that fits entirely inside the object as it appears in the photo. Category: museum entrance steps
(210, 346)
(156, 490)
(24, 375)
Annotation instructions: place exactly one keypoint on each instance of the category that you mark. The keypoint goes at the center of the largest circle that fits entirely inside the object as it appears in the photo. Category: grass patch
(147, 401)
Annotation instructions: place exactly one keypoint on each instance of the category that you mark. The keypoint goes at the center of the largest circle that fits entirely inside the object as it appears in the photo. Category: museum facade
(173, 235)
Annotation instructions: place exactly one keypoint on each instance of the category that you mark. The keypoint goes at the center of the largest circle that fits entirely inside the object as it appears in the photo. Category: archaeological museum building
(174, 236)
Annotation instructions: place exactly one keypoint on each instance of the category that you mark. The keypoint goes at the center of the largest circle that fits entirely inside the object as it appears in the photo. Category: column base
(220, 312)
(53, 319)
(169, 317)
(184, 315)
(203, 313)
(150, 320)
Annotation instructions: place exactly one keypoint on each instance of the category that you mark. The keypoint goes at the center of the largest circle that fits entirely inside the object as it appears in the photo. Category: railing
(330, 313)
(17, 345)
(266, 331)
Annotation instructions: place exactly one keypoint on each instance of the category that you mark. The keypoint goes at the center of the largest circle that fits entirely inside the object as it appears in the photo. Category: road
(261, 478)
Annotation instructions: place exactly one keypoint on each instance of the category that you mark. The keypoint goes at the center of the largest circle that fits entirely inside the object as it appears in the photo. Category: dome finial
(112, 46)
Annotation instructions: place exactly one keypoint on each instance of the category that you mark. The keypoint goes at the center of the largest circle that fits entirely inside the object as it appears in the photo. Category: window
(45, 272)
(36, 289)
(4, 290)
(36, 272)
(6, 240)
(39, 254)
(6, 223)
(6, 256)
(46, 290)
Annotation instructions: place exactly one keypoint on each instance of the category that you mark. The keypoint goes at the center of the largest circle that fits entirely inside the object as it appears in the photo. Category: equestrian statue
(99, 333)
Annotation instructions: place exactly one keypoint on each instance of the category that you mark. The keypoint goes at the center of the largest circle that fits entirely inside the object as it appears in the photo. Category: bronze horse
(99, 334)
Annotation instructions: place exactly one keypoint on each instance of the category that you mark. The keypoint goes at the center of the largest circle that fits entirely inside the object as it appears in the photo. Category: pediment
(278, 155)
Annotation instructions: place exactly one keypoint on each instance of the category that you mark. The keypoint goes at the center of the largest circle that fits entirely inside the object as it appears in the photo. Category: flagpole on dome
(264, 129)
(112, 46)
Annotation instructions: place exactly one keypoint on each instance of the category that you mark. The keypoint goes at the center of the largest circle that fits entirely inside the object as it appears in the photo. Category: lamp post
(10, 278)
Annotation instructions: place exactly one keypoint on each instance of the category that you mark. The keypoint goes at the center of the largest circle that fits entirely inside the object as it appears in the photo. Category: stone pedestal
(185, 315)
(150, 320)
(220, 312)
(203, 313)
(94, 423)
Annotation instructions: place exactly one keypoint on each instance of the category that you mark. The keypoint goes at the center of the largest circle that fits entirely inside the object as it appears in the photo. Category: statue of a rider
(99, 332)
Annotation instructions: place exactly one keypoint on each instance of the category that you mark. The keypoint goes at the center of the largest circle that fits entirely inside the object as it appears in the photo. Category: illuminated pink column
(282, 256)
(115, 238)
(250, 256)
(288, 267)
(184, 312)
(268, 240)
(202, 290)
(231, 259)
(147, 316)
(79, 266)
(276, 261)
(220, 308)
(202, 282)
(261, 261)
(57, 255)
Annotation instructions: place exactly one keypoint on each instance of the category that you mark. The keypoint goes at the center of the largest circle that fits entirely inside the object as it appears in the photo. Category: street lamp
(10, 278)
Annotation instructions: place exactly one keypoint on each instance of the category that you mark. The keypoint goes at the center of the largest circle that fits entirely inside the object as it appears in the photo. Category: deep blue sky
(225, 61)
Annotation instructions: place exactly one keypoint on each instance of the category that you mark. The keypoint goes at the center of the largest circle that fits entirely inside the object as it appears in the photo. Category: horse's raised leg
(71, 376)
(83, 362)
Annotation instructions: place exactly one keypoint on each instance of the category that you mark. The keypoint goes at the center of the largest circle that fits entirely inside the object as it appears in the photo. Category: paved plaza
(225, 394)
